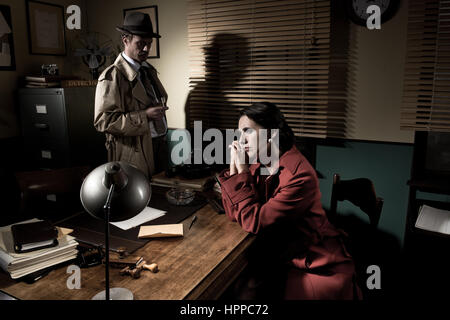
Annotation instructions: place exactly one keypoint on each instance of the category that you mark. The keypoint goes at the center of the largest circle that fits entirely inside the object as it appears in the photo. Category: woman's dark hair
(268, 116)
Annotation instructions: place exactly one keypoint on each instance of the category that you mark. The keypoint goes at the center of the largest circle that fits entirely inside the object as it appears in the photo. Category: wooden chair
(361, 193)
(364, 242)
(46, 193)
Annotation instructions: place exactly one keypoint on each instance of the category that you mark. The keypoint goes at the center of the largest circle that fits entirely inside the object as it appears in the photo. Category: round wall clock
(356, 10)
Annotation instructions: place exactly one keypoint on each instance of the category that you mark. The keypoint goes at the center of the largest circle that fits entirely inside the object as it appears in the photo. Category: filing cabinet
(57, 127)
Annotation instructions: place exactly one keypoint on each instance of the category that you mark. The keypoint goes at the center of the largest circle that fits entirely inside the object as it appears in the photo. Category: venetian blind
(426, 98)
(248, 51)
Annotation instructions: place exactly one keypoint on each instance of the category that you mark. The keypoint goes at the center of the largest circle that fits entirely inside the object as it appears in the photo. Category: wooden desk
(200, 265)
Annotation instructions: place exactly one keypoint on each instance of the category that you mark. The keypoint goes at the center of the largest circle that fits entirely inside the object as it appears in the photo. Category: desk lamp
(114, 191)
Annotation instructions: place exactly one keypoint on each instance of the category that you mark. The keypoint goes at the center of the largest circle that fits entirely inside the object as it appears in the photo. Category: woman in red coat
(297, 254)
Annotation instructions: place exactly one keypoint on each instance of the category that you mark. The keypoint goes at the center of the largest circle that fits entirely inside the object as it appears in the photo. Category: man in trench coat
(130, 101)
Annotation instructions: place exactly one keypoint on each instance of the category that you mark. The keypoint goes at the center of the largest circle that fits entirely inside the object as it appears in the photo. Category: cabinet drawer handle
(41, 126)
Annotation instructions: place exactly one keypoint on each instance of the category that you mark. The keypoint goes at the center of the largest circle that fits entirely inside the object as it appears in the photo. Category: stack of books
(46, 81)
(18, 265)
(42, 81)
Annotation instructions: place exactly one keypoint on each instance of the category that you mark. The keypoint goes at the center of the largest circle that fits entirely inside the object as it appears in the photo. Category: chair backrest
(361, 193)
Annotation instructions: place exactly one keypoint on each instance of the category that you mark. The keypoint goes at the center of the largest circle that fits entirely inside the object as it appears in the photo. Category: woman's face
(249, 139)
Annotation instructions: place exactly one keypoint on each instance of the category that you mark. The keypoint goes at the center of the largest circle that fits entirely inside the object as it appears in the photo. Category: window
(280, 51)
(426, 94)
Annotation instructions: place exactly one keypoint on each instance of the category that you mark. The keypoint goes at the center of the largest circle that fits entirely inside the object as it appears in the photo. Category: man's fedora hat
(138, 23)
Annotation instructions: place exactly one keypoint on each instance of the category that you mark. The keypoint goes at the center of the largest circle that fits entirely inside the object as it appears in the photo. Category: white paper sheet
(146, 215)
(433, 219)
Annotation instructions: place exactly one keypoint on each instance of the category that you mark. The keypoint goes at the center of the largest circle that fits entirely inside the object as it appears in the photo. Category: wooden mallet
(134, 273)
(150, 267)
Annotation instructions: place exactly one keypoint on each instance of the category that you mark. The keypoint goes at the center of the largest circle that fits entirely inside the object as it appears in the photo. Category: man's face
(137, 48)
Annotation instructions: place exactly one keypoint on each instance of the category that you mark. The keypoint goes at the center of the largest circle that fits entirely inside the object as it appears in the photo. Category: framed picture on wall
(7, 60)
(152, 11)
(46, 28)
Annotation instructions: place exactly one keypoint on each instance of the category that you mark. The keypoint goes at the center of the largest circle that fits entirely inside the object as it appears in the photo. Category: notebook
(34, 236)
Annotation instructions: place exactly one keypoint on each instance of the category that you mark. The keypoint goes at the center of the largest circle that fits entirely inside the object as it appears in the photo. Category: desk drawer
(42, 131)
(47, 153)
(43, 114)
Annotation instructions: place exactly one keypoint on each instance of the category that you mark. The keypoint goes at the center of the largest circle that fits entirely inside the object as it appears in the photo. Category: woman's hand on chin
(238, 159)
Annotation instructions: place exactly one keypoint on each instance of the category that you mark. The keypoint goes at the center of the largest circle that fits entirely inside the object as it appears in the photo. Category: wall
(376, 88)
(27, 64)
(377, 85)
(377, 82)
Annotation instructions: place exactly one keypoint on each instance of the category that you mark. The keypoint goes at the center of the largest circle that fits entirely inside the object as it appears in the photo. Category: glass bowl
(180, 196)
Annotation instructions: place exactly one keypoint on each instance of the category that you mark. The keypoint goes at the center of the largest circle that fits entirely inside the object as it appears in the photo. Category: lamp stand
(113, 293)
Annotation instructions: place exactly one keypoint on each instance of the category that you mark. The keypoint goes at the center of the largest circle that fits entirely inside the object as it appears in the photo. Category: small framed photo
(46, 28)
(152, 11)
(7, 60)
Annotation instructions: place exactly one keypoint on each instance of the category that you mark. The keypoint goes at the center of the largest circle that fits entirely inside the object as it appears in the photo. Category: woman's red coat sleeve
(243, 204)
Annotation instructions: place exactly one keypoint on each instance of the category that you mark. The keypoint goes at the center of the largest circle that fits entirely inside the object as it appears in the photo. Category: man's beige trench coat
(120, 103)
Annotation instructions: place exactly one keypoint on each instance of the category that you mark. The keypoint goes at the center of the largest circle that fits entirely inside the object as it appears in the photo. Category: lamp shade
(132, 191)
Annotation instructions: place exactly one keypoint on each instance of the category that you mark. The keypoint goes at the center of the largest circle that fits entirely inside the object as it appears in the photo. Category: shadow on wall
(226, 60)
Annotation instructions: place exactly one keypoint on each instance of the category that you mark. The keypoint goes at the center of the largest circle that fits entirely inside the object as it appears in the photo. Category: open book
(432, 219)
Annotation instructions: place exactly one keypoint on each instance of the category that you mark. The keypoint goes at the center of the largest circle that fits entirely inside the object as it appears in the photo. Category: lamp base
(115, 294)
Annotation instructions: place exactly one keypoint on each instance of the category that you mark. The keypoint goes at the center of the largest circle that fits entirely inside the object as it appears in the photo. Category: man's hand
(154, 113)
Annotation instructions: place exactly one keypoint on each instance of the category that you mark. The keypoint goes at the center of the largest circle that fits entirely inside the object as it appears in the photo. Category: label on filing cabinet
(41, 108)
(51, 197)
(46, 154)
